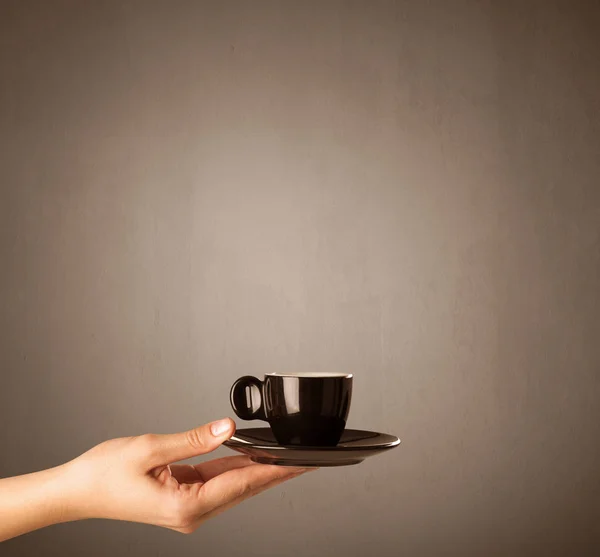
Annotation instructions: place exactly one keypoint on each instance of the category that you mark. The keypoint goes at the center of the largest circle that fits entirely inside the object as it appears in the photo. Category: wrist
(68, 490)
(36, 500)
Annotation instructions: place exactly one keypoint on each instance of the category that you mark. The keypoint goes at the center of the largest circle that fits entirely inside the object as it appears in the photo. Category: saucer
(354, 446)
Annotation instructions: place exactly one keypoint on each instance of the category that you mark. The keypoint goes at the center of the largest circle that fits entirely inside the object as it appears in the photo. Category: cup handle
(239, 400)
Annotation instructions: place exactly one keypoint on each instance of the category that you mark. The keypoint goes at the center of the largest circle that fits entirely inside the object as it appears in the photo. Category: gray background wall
(191, 191)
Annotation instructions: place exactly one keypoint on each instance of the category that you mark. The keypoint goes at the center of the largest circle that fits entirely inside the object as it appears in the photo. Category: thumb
(165, 449)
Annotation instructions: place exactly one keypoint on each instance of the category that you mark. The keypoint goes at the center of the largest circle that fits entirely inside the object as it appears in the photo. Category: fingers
(205, 471)
(186, 473)
(248, 495)
(202, 501)
(213, 468)
(164, 449)
(237, 483)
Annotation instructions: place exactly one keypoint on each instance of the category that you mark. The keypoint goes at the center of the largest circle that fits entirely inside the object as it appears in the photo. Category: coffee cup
(302, 409)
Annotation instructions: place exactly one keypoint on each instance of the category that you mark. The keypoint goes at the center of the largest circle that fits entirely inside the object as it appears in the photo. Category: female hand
(133, 479)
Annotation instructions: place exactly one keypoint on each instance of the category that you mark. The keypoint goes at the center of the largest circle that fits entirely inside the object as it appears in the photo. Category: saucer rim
(232, 442)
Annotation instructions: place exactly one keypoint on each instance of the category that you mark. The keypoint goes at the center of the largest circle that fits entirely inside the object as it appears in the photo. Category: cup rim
(311, 375)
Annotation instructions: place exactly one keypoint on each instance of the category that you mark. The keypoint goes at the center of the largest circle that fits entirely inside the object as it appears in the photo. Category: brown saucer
(354, 447)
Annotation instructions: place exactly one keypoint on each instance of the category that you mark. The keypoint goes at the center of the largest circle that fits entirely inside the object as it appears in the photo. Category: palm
(207, 489)
(187, 478)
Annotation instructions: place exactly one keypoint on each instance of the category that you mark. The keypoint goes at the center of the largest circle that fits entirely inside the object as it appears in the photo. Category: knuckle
(146, 444)
(195, 439)
(243, 489)
(188, 526)
(186, 530)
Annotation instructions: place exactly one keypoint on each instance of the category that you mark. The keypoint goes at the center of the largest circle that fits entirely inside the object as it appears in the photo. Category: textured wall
(191, 191)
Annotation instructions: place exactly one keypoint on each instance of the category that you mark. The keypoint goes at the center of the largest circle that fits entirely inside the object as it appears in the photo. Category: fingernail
(220, 427)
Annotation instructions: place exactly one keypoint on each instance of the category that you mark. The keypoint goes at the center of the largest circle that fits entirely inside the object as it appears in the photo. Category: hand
(132, 479)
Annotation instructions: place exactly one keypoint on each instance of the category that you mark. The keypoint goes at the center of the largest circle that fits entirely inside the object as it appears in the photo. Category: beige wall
(191, 191)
